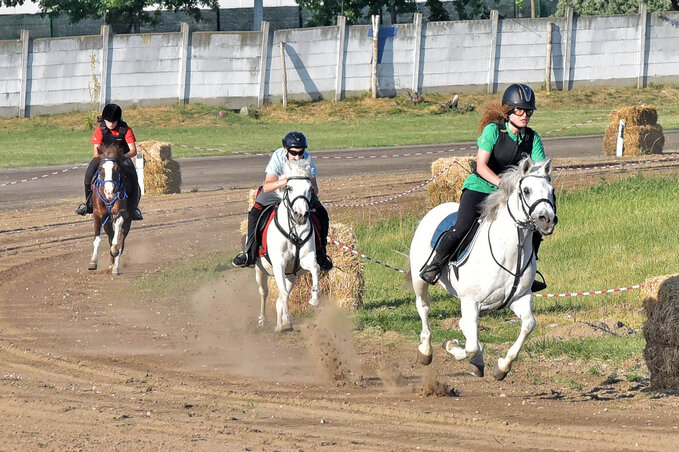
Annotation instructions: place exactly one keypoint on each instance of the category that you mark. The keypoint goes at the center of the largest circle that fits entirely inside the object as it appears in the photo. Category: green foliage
(474, 9)
(323, 12)
(608, 7)
(437, 12)
(127, 15)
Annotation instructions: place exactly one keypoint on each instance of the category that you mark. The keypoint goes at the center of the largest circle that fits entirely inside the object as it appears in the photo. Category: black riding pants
(468, 212)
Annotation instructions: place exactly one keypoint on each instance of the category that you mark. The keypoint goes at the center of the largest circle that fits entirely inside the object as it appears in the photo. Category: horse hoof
(498, 374)
(284, 328)
(475, 370)
(423, 359)
(92, 266)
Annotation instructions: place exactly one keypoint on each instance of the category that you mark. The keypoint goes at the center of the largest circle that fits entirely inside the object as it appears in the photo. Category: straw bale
(637, 140)
(157, 150)
(448, 186)
(343, 285)
(661, 330)
(636, 115)
(161, 174)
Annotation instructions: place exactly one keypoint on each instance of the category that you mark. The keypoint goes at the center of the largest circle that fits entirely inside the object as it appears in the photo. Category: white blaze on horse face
(109, 185)
(541, 191)
(299, 192)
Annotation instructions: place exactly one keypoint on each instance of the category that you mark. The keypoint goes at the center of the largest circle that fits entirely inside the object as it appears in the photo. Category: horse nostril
(556, 220)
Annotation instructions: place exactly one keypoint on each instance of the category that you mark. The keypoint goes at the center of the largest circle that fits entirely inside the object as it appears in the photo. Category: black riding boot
(537, 286)
(247, 257)
(431, 270)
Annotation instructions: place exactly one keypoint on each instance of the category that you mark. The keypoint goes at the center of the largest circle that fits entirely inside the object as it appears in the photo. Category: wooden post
(25, 43)
(284, 77)
(417, 22)
(548, 63)
(263, 62)
(494, 20)
(376, 33)
(532, 9)
(339, 69)
(643, 24)
(105, 52)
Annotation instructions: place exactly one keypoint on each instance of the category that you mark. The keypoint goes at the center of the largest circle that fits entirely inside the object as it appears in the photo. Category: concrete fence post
(284, 76)
(25, 44)
(417, 25)
(263, 63)
(643, 24)
(339, 71)
(105, 54)
(494, 22)
(184, 64)
(567, 51)
(548, 62)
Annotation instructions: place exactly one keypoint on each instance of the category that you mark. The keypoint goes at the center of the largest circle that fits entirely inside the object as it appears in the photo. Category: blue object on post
(385, 33)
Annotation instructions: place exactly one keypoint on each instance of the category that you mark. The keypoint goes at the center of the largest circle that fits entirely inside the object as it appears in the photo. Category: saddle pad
(263, 249)
(447, 223)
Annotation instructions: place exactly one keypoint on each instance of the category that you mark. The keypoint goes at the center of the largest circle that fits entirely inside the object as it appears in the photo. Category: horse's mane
(297, 168)
(110, 152)
(509, 180)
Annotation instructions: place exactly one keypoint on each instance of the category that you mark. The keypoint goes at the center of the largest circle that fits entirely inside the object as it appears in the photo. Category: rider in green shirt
(505, 140)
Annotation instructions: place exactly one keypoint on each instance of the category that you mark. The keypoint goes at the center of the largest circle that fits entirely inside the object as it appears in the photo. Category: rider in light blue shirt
(294, 148)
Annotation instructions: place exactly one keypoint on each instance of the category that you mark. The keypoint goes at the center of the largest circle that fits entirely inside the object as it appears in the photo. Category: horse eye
(526, 191)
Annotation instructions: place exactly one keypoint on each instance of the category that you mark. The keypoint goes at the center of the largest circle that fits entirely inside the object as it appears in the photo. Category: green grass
(353, 123)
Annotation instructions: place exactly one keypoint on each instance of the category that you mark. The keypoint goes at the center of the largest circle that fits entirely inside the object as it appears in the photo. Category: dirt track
(90, 361)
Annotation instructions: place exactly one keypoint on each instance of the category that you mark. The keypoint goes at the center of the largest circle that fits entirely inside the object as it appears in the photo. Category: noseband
(529, 222)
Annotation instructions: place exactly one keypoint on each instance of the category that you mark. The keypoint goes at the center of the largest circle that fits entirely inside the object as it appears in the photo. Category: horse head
(536, 194)
(110, 175)
(297, 192)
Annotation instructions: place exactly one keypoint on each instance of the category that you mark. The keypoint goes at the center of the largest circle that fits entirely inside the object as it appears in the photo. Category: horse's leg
(308, 262)
(469, 322)
(421, 288)
(523, 308)
(94, 260)
(263, 283)
(118, 244)
(284, 284)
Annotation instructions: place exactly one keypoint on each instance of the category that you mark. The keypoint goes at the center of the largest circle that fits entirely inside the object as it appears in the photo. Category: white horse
(500, 267)
(291, 244)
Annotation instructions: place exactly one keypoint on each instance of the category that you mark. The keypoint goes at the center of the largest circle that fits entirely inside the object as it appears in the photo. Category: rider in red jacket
(113, 131)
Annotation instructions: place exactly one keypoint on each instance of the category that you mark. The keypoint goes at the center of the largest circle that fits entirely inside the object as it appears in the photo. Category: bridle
(528, 226)
(291, 232)
(118, 187)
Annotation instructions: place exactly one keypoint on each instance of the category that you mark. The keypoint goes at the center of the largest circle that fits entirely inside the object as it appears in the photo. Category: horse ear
(525, 165)
(548, 166)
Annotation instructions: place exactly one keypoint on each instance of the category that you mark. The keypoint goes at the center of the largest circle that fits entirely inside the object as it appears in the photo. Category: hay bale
(637, 139)
(162, 175)
(448, 186)
(343, 285)
(636, 115)
(661, 330)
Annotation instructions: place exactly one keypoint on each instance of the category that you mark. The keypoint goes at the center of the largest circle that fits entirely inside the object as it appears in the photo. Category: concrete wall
(244, 68)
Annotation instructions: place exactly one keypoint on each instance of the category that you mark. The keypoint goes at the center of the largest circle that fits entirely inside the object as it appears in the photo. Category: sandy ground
(92, 361)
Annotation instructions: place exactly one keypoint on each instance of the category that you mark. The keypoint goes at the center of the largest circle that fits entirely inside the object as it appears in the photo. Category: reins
(527, 225)
(118, 185)
(291, 233)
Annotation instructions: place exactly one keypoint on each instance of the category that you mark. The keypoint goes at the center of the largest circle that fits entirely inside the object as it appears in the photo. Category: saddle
(266, 217)
(463, 251)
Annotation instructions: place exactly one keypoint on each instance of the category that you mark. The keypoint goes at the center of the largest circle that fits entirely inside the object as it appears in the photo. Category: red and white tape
(536, 295)
(53, 173)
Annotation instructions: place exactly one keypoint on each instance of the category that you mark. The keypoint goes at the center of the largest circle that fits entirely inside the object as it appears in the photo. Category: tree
(323, 12)
(599, 7)
(125, 15)
(474, 9)
(437, 12)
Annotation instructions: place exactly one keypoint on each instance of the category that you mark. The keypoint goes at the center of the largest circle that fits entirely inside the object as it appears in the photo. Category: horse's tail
(407, 278)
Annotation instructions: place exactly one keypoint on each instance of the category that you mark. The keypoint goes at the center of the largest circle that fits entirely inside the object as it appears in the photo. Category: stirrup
(241, 260)
(430, 274)
(135, 214)
(324, 262)
(537, 285)
(81, 209)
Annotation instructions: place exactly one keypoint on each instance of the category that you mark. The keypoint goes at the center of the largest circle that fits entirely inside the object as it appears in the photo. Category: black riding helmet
(294, 140)
(519, 95)
(112, 112)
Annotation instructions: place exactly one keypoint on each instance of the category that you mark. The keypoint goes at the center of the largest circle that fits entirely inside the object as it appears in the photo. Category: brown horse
(109, 203)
